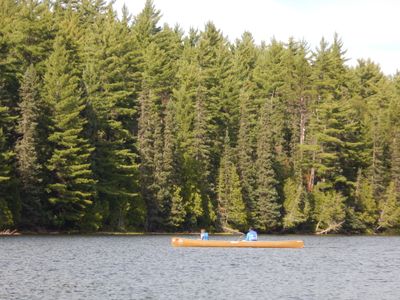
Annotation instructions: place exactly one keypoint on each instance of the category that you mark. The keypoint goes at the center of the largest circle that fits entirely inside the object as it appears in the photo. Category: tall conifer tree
(107, 75)
(29, 168)
(231, 209)
(72, 186)
(267, 215)
(246, 146)
(159, 50)
(295, 204)
(9, 200)
(6, 216)
(244, 60)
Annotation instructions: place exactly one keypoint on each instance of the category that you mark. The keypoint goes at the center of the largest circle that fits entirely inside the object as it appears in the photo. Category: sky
(368, 28)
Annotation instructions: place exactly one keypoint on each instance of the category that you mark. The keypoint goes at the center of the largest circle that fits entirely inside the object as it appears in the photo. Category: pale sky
(368, 28)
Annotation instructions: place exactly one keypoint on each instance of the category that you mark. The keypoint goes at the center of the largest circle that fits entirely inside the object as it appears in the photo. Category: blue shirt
(251, 236)
(204, 236)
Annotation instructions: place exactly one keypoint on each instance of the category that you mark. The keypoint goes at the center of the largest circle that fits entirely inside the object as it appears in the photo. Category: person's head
(202, 230)
(251, 228)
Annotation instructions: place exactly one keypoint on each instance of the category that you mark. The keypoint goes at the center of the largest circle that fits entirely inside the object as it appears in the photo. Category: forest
(119, 123)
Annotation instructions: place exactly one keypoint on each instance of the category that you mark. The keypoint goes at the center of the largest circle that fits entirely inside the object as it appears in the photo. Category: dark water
(147, 267)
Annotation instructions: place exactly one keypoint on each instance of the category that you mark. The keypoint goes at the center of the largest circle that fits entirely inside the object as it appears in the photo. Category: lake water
(147, 267)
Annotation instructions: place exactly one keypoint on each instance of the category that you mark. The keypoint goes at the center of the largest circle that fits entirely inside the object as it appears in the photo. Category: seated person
(251, 235)
(203, 234)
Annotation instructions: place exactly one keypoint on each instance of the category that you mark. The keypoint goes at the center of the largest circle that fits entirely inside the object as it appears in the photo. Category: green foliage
(365, 207)
(5, 153)
(31, 32)
(389, 209)
(395, 160)
(111, 123)
(6, 217)
(372, 89)
(111, 116)
(329, 210)
(237, 213)
(266, 216)
(231, 208)
(146, 24)
(194, 207)
(9, 200)
(29, 168)
(72, 186)
(295, 205)
(246, 147)
(214, 61)
(178, 212)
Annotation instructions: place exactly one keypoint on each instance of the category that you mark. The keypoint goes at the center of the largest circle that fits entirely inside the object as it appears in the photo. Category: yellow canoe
(180, 242)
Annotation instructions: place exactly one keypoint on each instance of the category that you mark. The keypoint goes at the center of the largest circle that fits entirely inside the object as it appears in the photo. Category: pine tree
(29, 168)
(157, 87)
(395, 148)
(146, 25)
(33, 31)
(224, 188)
(159, 78)
(288, 90)
(244, 57)
(295, 204)
(272, 76)
(389, 209)
(373, 91)
(147, 121)
(298, 91)
(5, 153)
(267, 215)
(72, 187)
(112, 123)
(158, 50)
(366, 208)
(231, 207)
(191, 136)
(178, 213)
(194, 208)
(170, 177)
(246, 147)
(334, 139)
(188, 77)
(329, 211)
(6, 216)
(237, 210)
(9, 200)
(215, 62)
(198, 164)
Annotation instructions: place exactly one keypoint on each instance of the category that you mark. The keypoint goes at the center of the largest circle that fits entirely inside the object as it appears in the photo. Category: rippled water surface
(147, 267)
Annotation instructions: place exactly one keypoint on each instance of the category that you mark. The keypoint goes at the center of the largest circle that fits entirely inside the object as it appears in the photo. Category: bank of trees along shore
(113, 123)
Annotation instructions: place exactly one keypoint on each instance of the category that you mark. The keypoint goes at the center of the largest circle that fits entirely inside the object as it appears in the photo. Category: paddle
(234, 231)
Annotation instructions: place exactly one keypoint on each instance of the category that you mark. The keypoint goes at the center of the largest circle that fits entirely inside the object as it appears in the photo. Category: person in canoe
(251, 235)
(203, 234)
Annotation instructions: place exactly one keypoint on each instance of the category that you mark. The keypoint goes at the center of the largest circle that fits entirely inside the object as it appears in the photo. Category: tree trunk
(332, 227)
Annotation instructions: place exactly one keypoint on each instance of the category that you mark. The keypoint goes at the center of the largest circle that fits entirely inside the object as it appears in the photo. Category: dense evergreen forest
(111, 123)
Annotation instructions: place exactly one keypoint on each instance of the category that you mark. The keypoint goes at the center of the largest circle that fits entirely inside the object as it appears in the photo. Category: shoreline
(132, 233)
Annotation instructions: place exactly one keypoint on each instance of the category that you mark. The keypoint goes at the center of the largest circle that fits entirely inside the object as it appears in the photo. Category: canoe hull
(181, 242)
